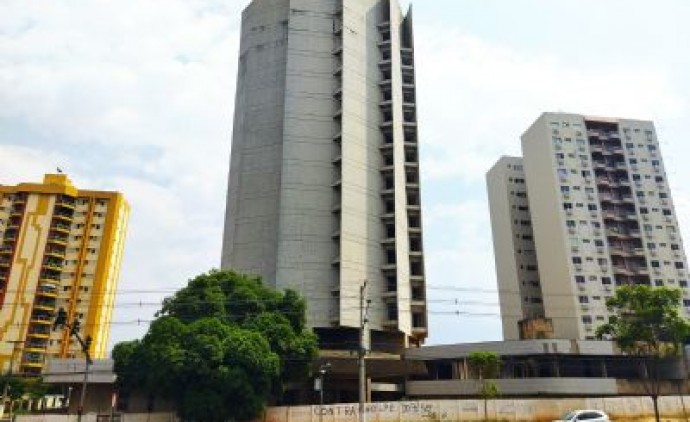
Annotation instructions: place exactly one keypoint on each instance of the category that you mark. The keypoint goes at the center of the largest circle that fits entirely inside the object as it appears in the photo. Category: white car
(584, 415)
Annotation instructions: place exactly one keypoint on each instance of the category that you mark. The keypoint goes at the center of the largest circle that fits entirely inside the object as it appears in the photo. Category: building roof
(514, 348)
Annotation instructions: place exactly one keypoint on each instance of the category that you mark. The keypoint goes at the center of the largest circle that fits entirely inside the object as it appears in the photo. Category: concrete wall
(514, 249)
(551, 238)
(619, 409)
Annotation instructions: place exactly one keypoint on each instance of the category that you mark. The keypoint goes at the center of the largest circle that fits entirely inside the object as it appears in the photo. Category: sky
(137, 96)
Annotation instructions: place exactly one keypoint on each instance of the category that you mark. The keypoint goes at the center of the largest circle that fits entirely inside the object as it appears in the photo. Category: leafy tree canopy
(646, 321)
(220, 348)
(485, 364)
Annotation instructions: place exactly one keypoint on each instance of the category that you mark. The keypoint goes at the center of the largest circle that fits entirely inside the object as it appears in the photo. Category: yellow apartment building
(60, 247)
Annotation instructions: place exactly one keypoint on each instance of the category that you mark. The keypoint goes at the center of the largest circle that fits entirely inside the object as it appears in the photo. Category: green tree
(220, 348)
(487, 367)
(647, 324)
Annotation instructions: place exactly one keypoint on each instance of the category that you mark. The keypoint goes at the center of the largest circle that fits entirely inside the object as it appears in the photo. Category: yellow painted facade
(60, 247)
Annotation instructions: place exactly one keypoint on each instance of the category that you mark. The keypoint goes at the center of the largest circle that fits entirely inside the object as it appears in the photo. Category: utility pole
(61, 322)
(363, 320)
(323, 370)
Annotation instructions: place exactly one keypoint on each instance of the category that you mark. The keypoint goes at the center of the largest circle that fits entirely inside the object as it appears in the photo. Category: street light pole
(322, 371)
(363, 319)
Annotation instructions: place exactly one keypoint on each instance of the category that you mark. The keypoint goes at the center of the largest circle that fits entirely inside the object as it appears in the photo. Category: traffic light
(60, 319)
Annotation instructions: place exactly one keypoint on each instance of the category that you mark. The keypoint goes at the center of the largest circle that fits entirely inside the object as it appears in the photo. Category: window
(579, 279)
(666, 211)
(683, 283)
(658, 283)
(583, 299)
(586, 319)
(679, 265)
(591, 207)
(655, 264)
(577, 260)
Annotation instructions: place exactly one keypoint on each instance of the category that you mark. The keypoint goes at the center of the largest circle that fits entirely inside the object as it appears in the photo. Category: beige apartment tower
(600, 215)
(60, 247)
(324, 176)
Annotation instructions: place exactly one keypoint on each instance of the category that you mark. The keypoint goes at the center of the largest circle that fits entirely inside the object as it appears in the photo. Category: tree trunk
(486, 411)
(655, 400)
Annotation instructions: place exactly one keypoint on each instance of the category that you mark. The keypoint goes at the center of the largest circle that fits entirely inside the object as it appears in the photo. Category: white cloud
(476, 98)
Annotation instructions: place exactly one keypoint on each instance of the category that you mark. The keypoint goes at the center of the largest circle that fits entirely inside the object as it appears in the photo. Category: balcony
(419, 331)
(42, 316)
(60, 228)
(66, 202)
(390, 323)
(388, 266)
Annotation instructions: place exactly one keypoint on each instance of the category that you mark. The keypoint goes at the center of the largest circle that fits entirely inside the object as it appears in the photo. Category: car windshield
(568, 416)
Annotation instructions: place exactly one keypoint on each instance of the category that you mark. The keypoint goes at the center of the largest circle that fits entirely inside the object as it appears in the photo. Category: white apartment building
(516, 259)
(324, 188)
(602, 216)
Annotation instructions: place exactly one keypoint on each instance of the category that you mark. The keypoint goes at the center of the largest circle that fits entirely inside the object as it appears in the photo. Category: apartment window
(683, 283)
(644, 210)
(583, 299)
(586, 319)
(606, 280)
(577, 260)
(658, 282)
(629, 145)
(655, 264)
(679, 265)
(565, 189)
(591, 207)
(598, 243)
(686, 302)
(663, 195)
(579, 279)
(666, 211)
(567, 205)
(636, 177)
(675, 247)
(570, 223)
(602, 261)
(658, 179)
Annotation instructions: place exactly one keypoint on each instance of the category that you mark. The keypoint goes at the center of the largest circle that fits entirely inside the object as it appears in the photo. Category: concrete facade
(60, 247)
(601, 215)
(323, 189)
(514, 249)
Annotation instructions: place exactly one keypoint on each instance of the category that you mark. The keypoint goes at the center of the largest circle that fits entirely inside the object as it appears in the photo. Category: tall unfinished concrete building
(324, 177)
(593, 212)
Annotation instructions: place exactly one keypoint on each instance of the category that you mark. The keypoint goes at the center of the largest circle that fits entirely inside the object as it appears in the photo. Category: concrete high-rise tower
(60, 247)
(324, 177)
(600, 215)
